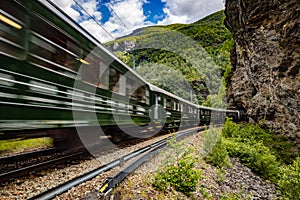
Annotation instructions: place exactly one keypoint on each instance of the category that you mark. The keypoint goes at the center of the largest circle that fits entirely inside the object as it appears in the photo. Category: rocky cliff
(265, 78)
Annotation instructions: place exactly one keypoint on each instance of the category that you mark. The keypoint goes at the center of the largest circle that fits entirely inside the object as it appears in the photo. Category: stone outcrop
(265, 78)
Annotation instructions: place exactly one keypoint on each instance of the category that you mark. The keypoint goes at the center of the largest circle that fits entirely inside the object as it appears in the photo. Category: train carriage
(175, 112)
(55, 76)
(50, 67)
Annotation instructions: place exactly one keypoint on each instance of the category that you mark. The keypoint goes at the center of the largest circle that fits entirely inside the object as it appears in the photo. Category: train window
(130, 88)
(104, 75)
(53, 48)
(169, 104)
(12, 29)
(95, 71)
(140, 92)
(122, 85)
(117, 81)
(205, 112)
(184, 108)
(114, 76)
(143, 95)
(165, 103)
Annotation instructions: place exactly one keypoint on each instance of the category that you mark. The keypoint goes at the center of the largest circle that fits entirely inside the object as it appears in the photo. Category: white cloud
(91, 7)
(131, 14)
(129, 11)
(188, 11)
(65, 5)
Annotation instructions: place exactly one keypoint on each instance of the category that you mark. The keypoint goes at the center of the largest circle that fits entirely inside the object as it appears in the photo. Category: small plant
(215, 151)
(221, 172)
(181, 174)
(234, 196)
(289, 182)
(205, 192)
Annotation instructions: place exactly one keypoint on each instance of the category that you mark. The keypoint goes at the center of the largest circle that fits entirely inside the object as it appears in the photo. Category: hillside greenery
(197, 52)
(272, 157)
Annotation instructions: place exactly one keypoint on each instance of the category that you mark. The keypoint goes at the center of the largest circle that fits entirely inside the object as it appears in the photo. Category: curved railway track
(24, 164)
(143, 153)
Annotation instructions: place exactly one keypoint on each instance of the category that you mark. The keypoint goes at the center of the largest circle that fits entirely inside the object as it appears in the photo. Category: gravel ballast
(236, 180)
(214, 184)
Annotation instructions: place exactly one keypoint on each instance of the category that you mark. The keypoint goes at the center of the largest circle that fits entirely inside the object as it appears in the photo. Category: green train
(55, 77)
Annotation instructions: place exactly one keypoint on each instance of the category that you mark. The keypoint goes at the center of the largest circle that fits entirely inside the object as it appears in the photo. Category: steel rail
(110, 182)
(39, 166)
(50, 194)
(27, 155)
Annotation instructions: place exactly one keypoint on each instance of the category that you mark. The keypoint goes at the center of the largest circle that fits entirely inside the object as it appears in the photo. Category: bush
(251, 134)
(255, 156)
(181, 175)
(266, 154)
(289, 182)
(215, 151)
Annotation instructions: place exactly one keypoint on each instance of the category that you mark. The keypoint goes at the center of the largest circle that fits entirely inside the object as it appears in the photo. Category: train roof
(157, 89)
(61, 14)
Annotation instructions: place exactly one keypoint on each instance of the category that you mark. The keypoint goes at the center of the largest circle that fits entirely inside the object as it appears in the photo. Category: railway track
(29, 169)
(23, 164)
(26, 156)
(143, 154)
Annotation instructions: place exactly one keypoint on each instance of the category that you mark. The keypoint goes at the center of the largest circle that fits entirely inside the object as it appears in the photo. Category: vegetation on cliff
(272, 157)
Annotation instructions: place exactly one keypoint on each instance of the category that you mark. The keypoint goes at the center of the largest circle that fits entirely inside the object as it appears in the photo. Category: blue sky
(121, 17)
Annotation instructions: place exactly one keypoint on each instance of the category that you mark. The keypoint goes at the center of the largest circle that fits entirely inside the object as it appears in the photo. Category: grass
(21, 145)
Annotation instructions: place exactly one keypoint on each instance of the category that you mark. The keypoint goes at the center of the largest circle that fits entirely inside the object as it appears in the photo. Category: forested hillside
(179, 56)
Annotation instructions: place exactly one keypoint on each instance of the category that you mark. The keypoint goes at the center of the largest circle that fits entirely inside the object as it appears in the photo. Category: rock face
(266, 61)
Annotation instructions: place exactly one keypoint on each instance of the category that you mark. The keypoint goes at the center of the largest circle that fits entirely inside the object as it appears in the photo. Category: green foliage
(202, 62)
(20, 145)
(180, 173)
(279, 146)
(289, 182)
(253, 146)
(270, 156)
(255, 156)
(214, 149)
(234, 196)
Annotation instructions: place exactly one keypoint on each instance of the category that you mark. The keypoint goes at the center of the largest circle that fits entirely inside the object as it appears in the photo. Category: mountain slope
(197, 54)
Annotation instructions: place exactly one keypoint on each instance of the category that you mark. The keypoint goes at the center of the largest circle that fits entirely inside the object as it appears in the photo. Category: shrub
(181, 175)
(281, 147)
(289, 182)
(255, 156)
(215, 151)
